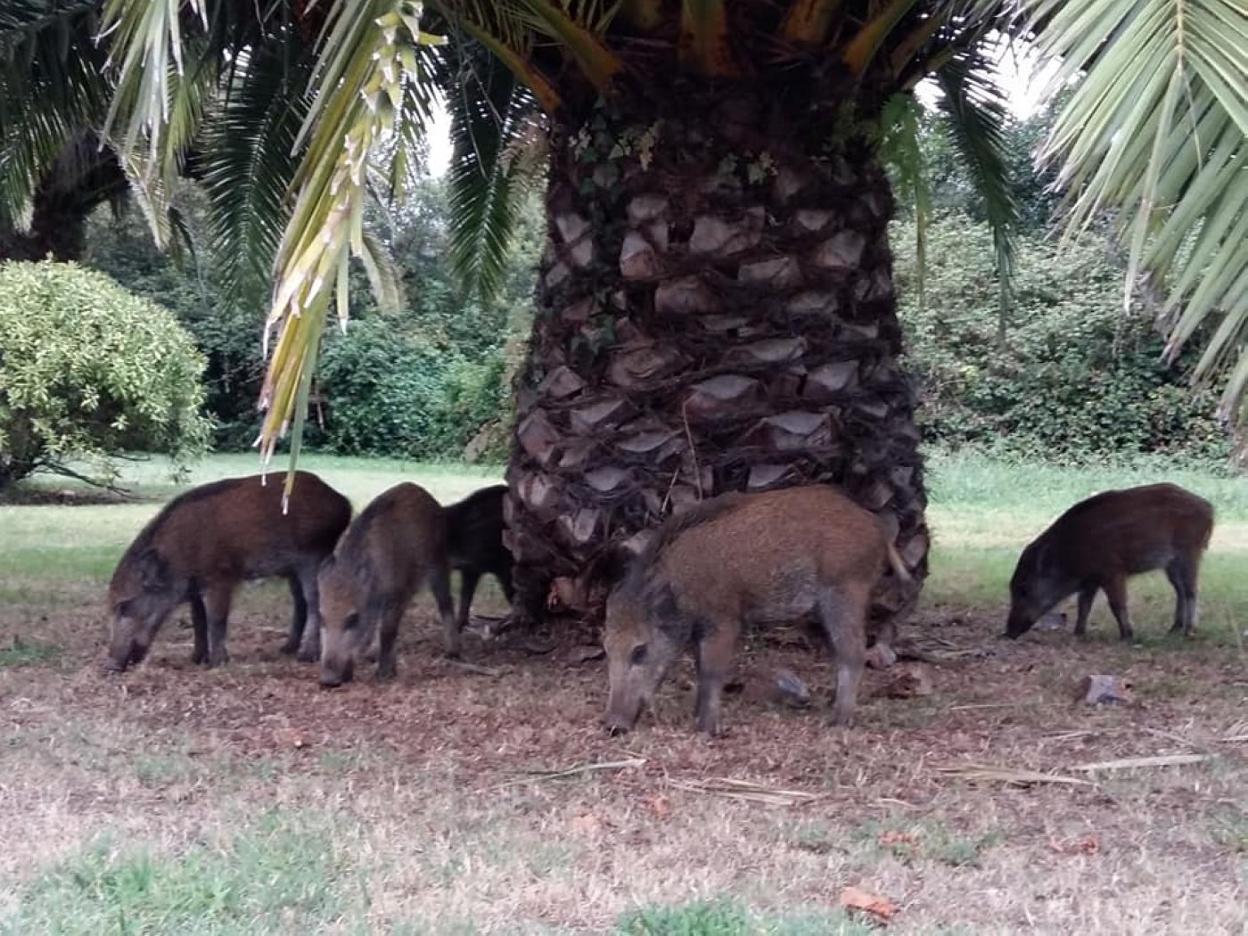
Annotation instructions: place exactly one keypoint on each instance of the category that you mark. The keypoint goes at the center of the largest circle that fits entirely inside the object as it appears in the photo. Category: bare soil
(433, 767)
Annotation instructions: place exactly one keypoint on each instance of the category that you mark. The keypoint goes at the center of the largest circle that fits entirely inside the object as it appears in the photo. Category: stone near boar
(396, 546)
(1100, 542)
(763, 558)
(204, 543)
(474, 529)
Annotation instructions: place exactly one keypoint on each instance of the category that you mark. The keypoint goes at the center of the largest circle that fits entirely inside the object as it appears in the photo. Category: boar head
(345, 628)
(141, 595)
(1038, 584)
(642, 639)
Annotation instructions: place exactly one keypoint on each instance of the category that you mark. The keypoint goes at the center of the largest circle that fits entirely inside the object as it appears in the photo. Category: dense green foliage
(1075, 378)
(419, 382)
(89, 371)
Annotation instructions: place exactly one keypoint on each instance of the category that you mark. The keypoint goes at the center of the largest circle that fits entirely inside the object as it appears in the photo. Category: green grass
(25, 652)
(281, 875)
(725, 917)
(983, 511)
(49, 546)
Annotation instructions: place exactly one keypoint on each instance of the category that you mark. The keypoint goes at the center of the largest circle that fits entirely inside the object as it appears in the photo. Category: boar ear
(153, 571)
(612, 564)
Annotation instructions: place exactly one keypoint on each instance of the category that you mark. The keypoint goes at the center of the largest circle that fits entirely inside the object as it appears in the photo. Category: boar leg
(300, 617)
(309, 641)
(843, 614)
(468, 579)
(440, 585)
(1116, 592)
(217, 610)
(504, 580)
(714, 660)
(1182, 573)
(1086, 597)
(387, 665)
(199, 626)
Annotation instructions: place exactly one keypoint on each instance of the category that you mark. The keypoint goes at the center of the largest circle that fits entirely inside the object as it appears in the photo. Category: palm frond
(491, 169)
(250, 161)
(367, 56)
(975, 109)
(901, 151)
(1156, 134)
(147, 51)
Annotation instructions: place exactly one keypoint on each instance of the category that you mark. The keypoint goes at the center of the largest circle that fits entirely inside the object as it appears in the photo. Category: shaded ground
(246, 799)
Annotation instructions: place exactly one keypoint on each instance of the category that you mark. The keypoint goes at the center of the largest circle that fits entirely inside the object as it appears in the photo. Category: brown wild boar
(1100, 542)
(204, 543)
(392, 549)
(743, 558)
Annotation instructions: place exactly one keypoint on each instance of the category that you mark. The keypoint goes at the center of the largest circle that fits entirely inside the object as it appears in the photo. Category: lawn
(246, 800)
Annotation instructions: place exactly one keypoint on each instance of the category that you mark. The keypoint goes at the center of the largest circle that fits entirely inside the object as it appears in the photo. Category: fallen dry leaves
(1086, 845)
(892, 838)
(881, 908)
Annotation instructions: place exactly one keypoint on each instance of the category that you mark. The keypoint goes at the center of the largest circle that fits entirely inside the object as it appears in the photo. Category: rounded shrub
(88, 371)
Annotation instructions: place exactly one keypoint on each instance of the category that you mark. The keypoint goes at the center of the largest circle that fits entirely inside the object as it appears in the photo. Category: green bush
(227, 334)
(88, 371)
(390, 393)
(1075, 379)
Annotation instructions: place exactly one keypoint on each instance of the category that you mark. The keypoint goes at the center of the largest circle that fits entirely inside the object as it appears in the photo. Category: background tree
(88, 372)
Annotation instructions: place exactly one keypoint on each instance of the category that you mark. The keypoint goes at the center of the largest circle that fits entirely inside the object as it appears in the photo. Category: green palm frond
(492, 167)
(975, 110)
(901, 151)
(250, 160)
(1156, 133)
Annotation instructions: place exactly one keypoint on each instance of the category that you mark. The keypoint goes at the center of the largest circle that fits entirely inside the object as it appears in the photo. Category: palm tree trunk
(81, 178)
(715, 312)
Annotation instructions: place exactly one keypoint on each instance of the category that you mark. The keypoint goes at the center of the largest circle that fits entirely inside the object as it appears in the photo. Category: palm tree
(715, 307)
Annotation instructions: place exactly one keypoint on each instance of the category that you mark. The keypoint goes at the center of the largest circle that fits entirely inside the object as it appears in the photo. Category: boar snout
(334, 676)
(126, 651)
(1017, 624)
(620, 720)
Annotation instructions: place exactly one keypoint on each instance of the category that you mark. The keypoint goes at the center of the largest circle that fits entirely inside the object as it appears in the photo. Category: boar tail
(899, 567)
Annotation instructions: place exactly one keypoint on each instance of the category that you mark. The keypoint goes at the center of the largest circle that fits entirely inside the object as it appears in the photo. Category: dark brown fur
(756, 558)
(474, 529)
(391, 550)
(1102, 541)
(203, 544)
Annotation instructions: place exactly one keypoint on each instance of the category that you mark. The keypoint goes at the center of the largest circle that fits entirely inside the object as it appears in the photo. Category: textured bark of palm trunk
(715, 312)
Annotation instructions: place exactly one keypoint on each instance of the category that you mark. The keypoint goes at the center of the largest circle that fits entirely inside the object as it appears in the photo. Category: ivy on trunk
(715, 312)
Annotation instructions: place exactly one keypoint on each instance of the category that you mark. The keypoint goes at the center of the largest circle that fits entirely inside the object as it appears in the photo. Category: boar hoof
(308, 654)
(290, 647)
(881, 656)
(199, 656)
(219, 658)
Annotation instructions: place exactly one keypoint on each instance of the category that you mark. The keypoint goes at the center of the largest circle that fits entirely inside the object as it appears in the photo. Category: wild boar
(392, 549)
(1100, 542)
(204, 543)
(474, 529)
(743, 558)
